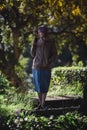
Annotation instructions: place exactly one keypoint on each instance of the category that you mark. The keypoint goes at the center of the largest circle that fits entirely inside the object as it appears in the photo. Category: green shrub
(11, 99)
(68, 80)
(23, 120)
(4, 84)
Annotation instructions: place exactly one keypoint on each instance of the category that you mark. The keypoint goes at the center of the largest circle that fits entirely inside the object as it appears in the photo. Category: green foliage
(68, 80)
(24, 120)
(4, 84)
(20, 68)
(11, 99)
(20, 18)
(72, 121)
(16, 112)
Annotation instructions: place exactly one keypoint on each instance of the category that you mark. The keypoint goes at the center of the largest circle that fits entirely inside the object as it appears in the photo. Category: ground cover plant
(23, 120)
(15, 106)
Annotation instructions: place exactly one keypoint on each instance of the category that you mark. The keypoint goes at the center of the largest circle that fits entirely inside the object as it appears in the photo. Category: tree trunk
(17, 50)
(9, 69)
(11, 75)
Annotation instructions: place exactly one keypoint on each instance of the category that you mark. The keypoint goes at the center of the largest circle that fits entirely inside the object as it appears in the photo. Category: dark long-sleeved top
(44, 53)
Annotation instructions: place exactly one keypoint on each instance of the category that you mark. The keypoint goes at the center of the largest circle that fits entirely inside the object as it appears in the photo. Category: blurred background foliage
(19, 19)
(67, 24)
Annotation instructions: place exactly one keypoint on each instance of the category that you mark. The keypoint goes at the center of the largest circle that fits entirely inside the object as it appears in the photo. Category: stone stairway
(59, 105)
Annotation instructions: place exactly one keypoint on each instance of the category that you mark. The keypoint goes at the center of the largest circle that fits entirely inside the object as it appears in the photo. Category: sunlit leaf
(76, 11)
(60, 3)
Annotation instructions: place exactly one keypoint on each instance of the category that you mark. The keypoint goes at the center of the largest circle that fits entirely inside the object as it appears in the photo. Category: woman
(44, 53)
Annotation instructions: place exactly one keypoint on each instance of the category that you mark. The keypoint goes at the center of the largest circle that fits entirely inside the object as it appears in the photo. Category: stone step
(55, 111)
(61, 101)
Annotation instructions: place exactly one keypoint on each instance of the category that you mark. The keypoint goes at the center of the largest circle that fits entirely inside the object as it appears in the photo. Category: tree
(70, 18)
(20, 17)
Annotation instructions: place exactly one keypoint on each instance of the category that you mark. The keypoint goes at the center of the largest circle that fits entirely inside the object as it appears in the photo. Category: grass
(72, 90)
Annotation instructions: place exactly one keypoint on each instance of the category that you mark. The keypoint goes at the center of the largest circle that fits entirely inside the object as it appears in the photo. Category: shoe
(44, 108)
(38, 107)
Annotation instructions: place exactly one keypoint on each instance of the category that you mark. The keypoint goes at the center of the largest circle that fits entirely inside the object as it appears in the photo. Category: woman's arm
(33, 48)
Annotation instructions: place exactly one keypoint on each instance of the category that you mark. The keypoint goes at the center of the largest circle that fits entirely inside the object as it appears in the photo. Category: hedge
(69, 76)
